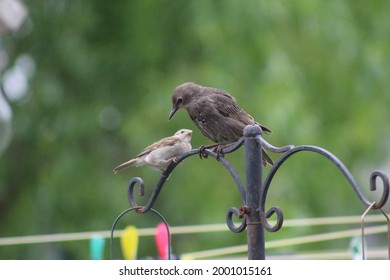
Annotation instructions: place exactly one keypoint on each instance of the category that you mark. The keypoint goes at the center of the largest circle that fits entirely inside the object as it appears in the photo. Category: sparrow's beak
(173, 111)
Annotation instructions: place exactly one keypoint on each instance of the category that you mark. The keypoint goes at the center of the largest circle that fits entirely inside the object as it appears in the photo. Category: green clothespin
(96, 246)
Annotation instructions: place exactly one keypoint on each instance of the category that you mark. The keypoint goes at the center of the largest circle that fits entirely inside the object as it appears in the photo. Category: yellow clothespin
(129, 243)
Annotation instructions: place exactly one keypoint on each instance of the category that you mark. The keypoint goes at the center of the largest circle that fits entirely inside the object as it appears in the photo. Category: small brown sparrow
(215, 113)
(161, 153)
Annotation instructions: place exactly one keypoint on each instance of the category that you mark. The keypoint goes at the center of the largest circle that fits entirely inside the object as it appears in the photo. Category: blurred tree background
(99, 77)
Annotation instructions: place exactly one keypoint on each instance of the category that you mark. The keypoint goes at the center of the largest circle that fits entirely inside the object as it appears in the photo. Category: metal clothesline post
(253, 173)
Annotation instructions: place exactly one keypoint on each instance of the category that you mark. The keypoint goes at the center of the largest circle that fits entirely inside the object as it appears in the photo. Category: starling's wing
(225, 103)
(228, 107)
(167, 141)
(220, 92)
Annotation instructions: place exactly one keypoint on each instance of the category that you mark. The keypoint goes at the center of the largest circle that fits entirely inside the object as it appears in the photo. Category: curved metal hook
(136, 209)
(347, 174)
(386, 187)
(130, 196)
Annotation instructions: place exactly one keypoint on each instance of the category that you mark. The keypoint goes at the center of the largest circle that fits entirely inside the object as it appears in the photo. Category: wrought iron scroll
(332, 158)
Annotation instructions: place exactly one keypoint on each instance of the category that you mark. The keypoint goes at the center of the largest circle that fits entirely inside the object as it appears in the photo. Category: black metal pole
(253, 167)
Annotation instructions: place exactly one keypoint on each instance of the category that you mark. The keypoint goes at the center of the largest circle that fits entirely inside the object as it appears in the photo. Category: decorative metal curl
(291, 150)
(386, 188)
(266, 215)
(229, 220)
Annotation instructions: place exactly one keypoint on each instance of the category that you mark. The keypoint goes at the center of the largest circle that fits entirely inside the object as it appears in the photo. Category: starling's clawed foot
(216, 148)
(219, 150)
(202, 149)
(202, 154)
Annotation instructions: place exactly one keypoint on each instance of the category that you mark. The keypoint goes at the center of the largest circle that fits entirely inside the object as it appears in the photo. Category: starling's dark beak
(173, 111)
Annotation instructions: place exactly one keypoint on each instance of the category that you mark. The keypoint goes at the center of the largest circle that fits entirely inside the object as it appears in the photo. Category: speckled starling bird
(161, 153)
(215, 112)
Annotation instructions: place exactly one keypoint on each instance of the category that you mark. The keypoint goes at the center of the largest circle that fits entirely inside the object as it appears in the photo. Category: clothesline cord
(191, 229)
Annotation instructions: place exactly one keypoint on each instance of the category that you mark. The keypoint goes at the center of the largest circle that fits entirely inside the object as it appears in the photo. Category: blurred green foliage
(315, 72)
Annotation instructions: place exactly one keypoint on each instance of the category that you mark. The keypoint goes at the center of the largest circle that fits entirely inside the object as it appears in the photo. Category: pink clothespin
(161, 239)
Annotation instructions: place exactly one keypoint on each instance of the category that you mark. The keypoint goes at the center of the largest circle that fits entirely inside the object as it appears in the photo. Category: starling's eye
(179, 101)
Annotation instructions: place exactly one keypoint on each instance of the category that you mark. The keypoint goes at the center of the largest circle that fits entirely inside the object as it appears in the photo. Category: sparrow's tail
(132, 162)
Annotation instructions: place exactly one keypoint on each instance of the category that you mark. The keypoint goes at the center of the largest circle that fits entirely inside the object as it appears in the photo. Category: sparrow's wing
(167, 141)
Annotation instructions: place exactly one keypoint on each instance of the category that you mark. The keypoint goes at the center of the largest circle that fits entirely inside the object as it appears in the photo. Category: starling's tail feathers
(265, 129)
(267, 159)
